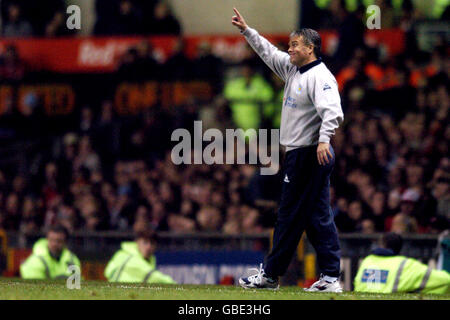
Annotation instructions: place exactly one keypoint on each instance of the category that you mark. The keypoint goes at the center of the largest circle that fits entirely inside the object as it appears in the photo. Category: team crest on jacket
(326, 86)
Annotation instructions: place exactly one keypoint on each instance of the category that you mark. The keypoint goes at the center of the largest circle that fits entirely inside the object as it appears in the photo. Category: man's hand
(323, 150)
(238, 21)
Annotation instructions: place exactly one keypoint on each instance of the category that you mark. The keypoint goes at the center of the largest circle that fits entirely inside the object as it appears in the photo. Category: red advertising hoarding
(101, 54)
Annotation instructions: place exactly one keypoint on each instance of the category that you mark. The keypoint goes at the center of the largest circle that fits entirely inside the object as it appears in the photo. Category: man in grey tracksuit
(310, 115)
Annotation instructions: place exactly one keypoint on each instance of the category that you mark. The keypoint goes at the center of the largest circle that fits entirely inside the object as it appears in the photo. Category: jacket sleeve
(276, 59)
(418, 277)
(159, 277)
(112, 267)
(438, 282)
(324, 93)
(33, 268)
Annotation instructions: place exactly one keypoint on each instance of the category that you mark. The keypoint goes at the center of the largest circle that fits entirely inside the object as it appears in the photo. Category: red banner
(98, 54)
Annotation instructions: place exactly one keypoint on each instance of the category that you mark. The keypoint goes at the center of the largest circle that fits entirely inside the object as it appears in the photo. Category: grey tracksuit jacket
(311, 104)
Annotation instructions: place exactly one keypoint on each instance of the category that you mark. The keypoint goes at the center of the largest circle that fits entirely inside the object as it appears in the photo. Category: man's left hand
(323, 151)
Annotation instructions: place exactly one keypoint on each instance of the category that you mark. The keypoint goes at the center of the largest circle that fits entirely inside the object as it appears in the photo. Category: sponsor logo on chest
(290, 102)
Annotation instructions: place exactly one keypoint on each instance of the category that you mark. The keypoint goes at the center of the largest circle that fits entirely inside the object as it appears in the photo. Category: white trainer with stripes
(259, 281)
(323, 285)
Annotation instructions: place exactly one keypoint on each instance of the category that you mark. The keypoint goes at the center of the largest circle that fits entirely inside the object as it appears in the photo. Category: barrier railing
(95, 249)
(421, 246)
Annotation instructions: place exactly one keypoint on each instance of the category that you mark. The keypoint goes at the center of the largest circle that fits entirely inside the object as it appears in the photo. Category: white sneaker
(259, 281)
(325, 286)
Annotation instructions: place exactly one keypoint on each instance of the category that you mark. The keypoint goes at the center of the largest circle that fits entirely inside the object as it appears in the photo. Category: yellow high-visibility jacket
(41, 265)
(384, 272)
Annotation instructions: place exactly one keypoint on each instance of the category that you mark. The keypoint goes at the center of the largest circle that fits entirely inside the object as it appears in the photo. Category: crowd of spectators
(75, 191)
(22, 18)
(12, 68)
(392, 168)
(135, 17)
(47, 18)
(143, 62)
(338, 14)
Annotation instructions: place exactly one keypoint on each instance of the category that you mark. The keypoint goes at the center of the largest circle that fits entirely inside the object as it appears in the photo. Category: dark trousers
(305, 206)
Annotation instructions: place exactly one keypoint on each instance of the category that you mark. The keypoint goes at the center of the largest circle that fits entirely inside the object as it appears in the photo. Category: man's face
(14, 13)
(146, 247)
(56, 242)
(298, 51)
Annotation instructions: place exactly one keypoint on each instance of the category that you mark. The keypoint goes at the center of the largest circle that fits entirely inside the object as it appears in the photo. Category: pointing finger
(237, 12)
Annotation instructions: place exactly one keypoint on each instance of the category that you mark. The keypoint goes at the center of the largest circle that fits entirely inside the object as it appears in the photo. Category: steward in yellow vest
(50, 258)
(384, 271)
(135, 262)
(247, 95)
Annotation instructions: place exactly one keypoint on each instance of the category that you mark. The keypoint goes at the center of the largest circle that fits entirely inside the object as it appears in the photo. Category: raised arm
(277, 60)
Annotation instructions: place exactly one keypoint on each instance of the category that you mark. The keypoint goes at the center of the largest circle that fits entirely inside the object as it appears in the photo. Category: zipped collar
(308, 66)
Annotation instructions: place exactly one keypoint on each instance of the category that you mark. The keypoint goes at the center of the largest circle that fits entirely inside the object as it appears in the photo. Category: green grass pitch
(18, 289)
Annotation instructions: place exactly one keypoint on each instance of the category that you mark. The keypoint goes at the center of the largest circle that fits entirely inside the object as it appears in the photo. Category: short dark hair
(146, 234)
(310, 36)
(58, 228)
(393, 241)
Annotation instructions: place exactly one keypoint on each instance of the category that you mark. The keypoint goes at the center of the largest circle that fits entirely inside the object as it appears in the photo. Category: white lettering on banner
(90, 54)
(191, 274)
(230, 52)
(203, 274)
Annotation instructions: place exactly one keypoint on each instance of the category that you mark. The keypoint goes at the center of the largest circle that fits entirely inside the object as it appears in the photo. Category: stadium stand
(97, 169)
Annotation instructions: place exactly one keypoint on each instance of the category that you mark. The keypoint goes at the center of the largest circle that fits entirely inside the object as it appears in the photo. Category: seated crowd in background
(109, 172)
(22, 18)
(47, 18)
